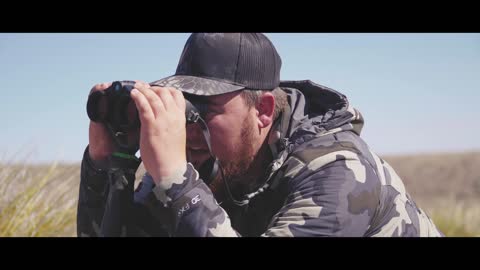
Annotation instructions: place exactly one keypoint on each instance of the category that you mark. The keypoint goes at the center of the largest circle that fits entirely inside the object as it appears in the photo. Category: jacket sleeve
(332, 195)
(192, 206)
(92, 198)
(335, 197)
(107, 205)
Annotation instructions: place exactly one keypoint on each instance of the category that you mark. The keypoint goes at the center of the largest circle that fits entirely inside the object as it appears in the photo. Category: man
(291, 160)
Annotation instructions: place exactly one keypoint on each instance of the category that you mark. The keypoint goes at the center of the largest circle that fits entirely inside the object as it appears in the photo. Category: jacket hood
(315, 110)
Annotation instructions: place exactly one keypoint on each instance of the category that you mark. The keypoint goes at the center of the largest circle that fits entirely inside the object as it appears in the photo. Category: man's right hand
(101, 145)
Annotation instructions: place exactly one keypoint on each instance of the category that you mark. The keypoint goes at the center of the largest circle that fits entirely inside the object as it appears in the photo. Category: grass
(457, 219)
(38, 200)
(41, 200)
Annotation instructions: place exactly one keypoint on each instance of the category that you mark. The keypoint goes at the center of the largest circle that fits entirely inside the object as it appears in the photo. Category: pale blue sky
(418, 92)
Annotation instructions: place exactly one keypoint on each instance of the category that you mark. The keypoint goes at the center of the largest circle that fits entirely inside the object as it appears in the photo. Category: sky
(418, 92)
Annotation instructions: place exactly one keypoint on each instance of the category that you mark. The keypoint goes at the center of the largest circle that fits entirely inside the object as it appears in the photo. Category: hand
(163, 133)
(101, 144)
(99, 141)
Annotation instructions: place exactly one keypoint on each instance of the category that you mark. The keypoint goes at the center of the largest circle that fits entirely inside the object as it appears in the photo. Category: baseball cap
(219, 63)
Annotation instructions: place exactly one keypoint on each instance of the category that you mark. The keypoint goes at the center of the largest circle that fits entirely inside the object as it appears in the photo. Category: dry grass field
(42, 200)
(447, 186)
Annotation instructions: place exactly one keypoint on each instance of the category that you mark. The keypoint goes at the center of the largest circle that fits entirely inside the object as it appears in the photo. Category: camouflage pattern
(197, 85)
(324, 181)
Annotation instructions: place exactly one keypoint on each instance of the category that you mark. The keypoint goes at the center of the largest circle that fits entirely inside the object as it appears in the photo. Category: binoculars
(115, 108)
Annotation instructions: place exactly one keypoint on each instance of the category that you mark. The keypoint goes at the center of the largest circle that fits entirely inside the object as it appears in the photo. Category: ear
(265, 110)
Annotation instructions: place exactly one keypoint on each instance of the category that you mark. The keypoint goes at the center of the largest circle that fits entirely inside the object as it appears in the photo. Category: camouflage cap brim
(197, 85)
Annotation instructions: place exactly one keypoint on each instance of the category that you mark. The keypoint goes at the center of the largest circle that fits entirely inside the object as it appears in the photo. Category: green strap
(125, 156)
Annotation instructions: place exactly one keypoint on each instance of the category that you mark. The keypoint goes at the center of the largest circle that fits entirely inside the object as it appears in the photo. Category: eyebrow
(194, 98)
(203, 99)
(204, 102)
(212, 101)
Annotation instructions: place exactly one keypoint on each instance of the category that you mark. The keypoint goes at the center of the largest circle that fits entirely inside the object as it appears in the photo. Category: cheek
(225, 135)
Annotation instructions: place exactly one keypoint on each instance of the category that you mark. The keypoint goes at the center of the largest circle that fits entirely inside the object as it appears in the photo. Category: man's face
(233, 132)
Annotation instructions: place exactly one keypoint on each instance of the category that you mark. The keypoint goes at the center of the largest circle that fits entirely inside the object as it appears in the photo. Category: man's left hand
(163, 134)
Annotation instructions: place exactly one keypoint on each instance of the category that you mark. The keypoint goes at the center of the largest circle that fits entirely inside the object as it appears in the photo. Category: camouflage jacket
(324, 181)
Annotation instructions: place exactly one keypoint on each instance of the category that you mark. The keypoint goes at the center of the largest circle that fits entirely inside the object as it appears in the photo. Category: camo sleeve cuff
(172, 187)
(193, 206)
(94, 178)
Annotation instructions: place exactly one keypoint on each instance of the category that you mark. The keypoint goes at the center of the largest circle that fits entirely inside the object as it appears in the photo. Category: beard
(235, 170)
(242, 174)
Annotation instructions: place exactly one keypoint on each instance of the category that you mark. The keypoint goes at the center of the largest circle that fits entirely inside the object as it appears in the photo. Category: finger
(166, 97)
(100, 87)
(144, 109)
(142, 82)
(154, 100)
(178, 97)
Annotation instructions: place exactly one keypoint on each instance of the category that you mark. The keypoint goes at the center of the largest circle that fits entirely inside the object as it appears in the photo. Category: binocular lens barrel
(114, 106)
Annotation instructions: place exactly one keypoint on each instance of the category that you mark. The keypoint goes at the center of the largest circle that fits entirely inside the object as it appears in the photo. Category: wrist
(166, 178)
(97, 161)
